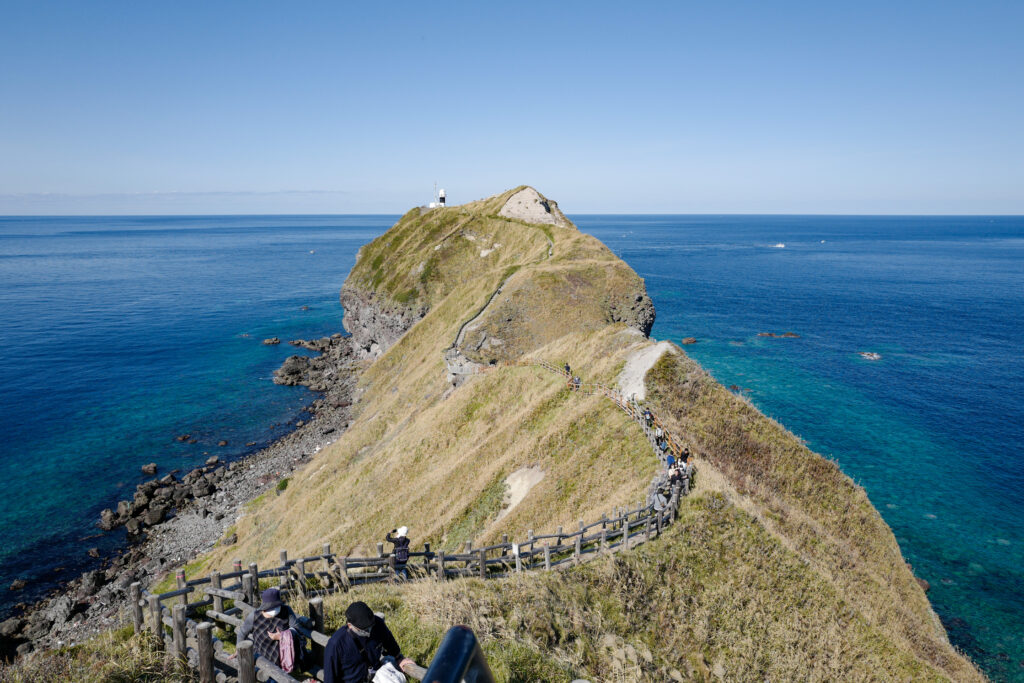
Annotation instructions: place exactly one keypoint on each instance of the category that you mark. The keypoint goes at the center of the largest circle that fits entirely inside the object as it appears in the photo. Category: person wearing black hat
(265, 625)
(354, 653)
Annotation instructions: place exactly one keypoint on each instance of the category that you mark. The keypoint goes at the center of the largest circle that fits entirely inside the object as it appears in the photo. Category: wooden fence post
(547, 558)
(426, 559)
(246, 662)
(204, 646)
(284, 577)
(468, 551)
(518, 550)
(215, 582)
(483, 564)
(441, 571)
(604, 540)
(649, 527)
(179, 578)
(135, 595)
(343, 572)
(254, 572)
(531, 541)
(155, 620)
(316, 615)
(178, 630)
(380, 550)
(661, 514)
(247, 589)
(300, 572)
(559, 536)
(577, 555)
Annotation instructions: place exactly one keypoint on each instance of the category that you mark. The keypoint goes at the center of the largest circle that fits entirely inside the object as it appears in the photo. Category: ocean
(121, 333)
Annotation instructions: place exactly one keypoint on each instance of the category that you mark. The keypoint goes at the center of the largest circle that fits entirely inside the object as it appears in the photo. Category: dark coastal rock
(183, 437)
(765, 334)
(163, 493)
(93, 552)
(221, 443)
(790, 335)
(149, 469)
(304, 308)
(375, 323)
(133, 527)
(202, 489)
(272, 341)
(91, 583)
(220, 473)
(59, 610)
(299, 423)
(925, 586)
(181, 493)
(17, 584)
(141, 500)
(213, 459)
(155, 514)
(11, 627)
(690, 340)
(328, 430)
(108, 519)
(124, 508)
(167, 479)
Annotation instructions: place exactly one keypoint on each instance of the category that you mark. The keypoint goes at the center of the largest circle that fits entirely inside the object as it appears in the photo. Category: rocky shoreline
(171, 519)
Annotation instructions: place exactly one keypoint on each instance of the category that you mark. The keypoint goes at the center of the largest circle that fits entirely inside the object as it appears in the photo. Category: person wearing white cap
(401, 551)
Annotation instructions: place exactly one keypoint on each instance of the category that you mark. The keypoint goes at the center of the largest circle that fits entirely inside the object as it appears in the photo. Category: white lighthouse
(440, 197)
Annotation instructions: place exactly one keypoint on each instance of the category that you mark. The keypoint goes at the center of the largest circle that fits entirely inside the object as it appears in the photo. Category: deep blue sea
(121, 333)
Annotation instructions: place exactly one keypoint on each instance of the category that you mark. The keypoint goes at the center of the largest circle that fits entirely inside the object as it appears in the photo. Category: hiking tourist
(648, 418)
(401, 551)
(568, 370)
(273, 629)
(363, 648)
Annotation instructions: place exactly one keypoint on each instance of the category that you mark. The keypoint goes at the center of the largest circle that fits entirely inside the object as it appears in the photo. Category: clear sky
(331, 107)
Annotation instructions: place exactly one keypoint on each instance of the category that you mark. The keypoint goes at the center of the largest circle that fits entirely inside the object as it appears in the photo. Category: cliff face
(374, 321)
(781, 569)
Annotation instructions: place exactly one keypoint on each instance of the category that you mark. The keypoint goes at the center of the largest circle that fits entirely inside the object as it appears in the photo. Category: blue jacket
(344, 660)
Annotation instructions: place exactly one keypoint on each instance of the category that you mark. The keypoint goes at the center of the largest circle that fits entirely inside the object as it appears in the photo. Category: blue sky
(310, 107)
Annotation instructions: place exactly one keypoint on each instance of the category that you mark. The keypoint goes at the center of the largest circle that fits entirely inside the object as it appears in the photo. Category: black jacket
(348, 658)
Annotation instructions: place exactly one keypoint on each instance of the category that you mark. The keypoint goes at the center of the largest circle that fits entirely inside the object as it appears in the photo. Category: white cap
(403, 530)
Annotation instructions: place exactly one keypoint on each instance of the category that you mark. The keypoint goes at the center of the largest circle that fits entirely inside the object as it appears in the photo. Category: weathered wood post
(442, 573)
(426, 559)
(254, 572)
(346, 583)
(547, 558)
(215, 582)
(204, 646)
(483, 563)
(246, 662)
(179, 579)
(135, 595)
(468, 551)
(178, 631)
(380, 550)
(578, 554)
(604, 540)
(156, 620)
(247, 589)
(316, 615)
(392, 567)
(559, 540)
(661, 514)
(517, 550)
(284, 577)
(531, 541)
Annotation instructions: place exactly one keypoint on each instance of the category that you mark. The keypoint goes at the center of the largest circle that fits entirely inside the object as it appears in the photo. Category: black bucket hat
(360, 615)
(270, 599)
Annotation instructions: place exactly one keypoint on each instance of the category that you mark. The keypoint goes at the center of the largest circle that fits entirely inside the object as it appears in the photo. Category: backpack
(401, 549)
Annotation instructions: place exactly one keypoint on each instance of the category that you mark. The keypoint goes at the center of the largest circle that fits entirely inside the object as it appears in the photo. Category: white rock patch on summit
(519, 484)
(529, 206)
(631, 381)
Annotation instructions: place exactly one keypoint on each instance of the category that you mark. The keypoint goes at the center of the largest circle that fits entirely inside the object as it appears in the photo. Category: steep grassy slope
(781, 568)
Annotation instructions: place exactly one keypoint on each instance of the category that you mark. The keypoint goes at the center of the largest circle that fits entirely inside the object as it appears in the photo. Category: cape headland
(778, 568)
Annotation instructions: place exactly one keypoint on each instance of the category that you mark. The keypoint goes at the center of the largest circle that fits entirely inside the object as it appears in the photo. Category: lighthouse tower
(440, 197)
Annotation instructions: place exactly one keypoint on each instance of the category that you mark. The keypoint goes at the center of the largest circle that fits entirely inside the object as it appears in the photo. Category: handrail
(458, 659)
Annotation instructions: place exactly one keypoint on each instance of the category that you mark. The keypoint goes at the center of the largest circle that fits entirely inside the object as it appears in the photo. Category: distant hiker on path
(648, 418)
(568, 370)
(362, 649)
(273, 629)
(401, 551)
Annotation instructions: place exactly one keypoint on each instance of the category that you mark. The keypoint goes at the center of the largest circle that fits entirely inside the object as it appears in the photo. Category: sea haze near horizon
(123, 332)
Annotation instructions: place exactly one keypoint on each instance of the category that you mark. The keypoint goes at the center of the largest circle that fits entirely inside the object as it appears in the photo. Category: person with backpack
(363, 650)
(401, 551)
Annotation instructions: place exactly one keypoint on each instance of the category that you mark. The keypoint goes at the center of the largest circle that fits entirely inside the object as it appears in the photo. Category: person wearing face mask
(266, 627)
(363, 650)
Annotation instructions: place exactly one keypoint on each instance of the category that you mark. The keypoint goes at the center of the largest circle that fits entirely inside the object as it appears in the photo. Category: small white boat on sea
(780, 245)
(870, 355)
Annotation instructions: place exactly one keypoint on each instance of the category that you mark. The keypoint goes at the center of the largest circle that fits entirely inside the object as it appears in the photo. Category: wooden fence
(182, 620)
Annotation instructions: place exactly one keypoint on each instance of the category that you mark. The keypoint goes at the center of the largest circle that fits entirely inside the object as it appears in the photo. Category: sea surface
(121, 333)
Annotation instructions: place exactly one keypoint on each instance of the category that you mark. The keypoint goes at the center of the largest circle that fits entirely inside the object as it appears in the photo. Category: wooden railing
(182, 620)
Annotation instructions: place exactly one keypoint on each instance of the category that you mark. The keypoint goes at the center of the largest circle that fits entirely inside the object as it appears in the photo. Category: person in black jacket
(401, 551)
(356, 651)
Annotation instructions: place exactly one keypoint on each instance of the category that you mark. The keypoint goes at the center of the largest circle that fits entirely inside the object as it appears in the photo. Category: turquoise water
(934, 430)
(121, 333)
